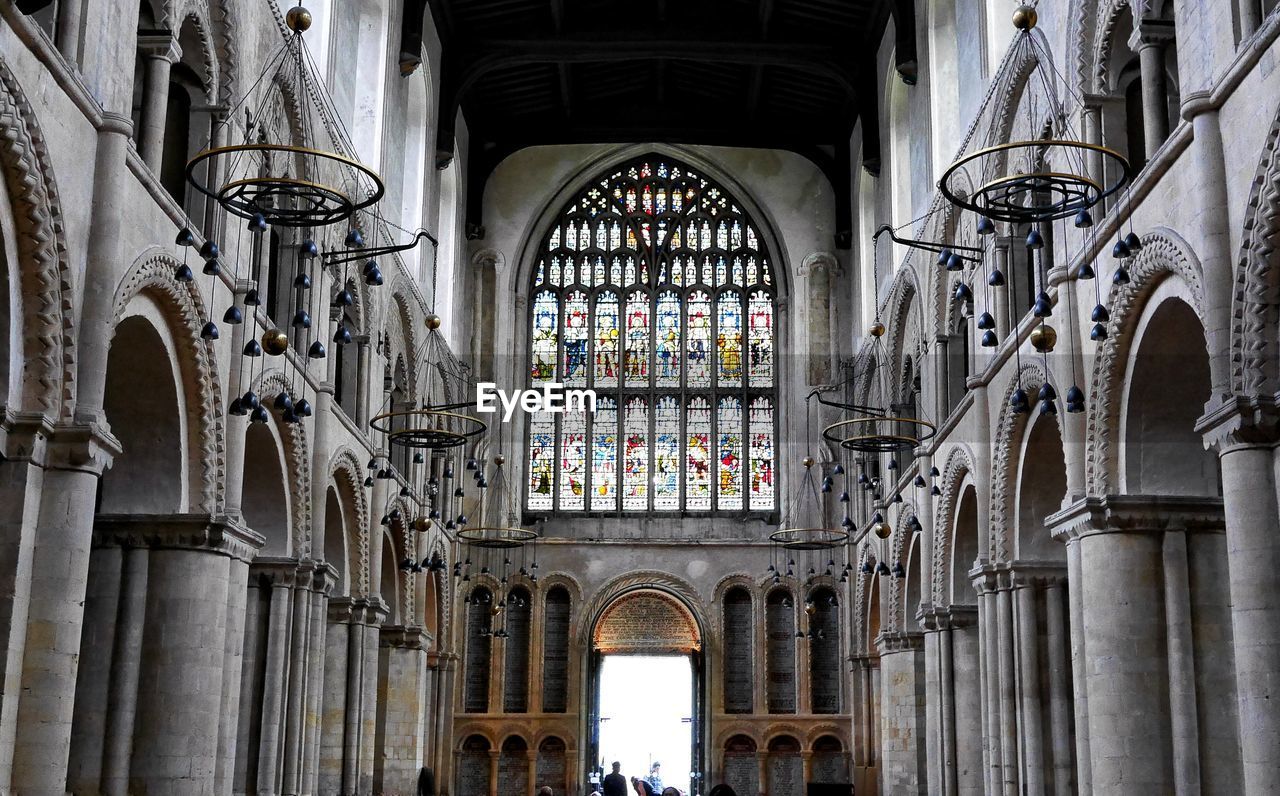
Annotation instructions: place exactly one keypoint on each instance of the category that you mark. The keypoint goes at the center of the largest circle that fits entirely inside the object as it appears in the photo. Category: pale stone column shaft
(295, 717)
(990, 654)
(233, 657)
(273, 690)
(1079, 690)
(1182, 676)
(93, 681)
(351, 717)
(122, 694)
(1007, 693)
(1029, 683)
(159, 54)
(315, 690)
(1059, 690)
(1155, 108)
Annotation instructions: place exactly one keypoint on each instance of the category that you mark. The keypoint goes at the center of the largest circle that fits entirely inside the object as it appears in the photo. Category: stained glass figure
(654, 290)
(604, 455)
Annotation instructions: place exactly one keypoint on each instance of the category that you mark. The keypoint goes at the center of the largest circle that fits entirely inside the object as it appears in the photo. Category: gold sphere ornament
(877, 329)
(275, 342)
(882, 530)
(298, 19)
(499, 460)
(808, 461)
(494, 610)
(810, 608)
(1043, 338)
(433, 321)
(422, 525)
(1025, 17)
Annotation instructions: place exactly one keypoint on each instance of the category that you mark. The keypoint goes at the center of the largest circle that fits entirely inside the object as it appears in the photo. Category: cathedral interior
(819, 397)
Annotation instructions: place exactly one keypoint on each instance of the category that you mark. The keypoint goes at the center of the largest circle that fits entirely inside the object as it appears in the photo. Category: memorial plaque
(516, 667)
(555, 651)
(738, 665)
(646, 622)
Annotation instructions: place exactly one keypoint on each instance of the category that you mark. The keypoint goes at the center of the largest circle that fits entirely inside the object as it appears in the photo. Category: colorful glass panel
(760, 428)
(666, 454)
(576, 332)
(697, 468)
(606, 342)
(545, 337)
(635, 441)
(729, 339)
(668, 342)
(573, 460)
(542, 461)
(604, 455)
(698, 369)
(760, 339)
(637, 354)
(729, 455)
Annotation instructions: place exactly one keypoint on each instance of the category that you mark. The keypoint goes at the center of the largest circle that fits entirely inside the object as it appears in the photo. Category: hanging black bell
(1018, 401)
(283, 401)
(862, 479)
(354, 240)
(301, 319)
(211, 267)
(1048, 408)
(919, 482)
(882, 569)
(308, 250)
(185, 238)
(955, 262)
(458, 492)
(985, 321)
(252, 349)
(302, 281)
(1098, 333)
(1035, 241)
(418, 459)
(933, 472)
(844, 497)
(259, 415)
(1120, 277)
(373, 464)
(989, 339)
(943, 256)
(1100, 314)
(1120, 250)
(1042, 307)
(237, 408)
(316, 351)
(963, 293)
(384, 474)
(897, 498)
(1075, 400)
(471, 464)
(986, 226)
(996, 279)
(826, 487)
(1047, 393)
(838, 469)
(369, 267)
(209, 250)
(368, 480)
(233, 316)
(342, 298)
(373, 278)
(252, 298)
(1085, 272)
(289, 416)
(1083, 220)
(935, 491)
(209, 331)
(250, 400)
(893, 464)
(183, 273)
(342, 335)
(257, 224)
(1132, 242)
(302, 407)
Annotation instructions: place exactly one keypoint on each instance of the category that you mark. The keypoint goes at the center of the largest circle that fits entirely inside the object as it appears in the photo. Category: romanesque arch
(1255, 327)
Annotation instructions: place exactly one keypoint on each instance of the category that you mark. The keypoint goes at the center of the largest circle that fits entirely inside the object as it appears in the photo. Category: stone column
(362, 379)
(1244, 435)
(76, 453)
(762, 759)
(122, 694)
(1182, 675)
(1250, 13)
(1080, 694)
(402, 752)
(1091, 127)
(984, 583)
(1003, 307)
(375, 615)
(1029, 681)
(493, 771)
(953, 699)
(1006, 698)
(176, 738)
(232, 675)
(1125, 632)
(903, 743)
(160, 51)
(1149, 40)
(1059, 689)
(323, 580)
(270, 775)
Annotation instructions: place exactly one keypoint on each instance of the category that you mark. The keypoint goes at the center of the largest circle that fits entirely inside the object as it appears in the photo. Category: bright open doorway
(646, 714)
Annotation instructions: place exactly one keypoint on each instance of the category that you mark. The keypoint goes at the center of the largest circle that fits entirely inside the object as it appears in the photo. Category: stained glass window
(653, 289)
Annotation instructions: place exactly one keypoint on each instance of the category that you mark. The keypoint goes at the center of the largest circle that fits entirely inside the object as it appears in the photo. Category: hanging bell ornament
(986, 226)
(257, 224)
(996, 279)
(209, 250)
(1085, 272)
(1083, 220)
(303, 408)
(259, 415)
(183, 273)
(250, 400)
(1035, 241)
(302, 281)
(1098, 333)
(963, 293)
(252, 298)
(316, 351)
(342, 335)
(237, 408)
(943, 256)
(233, 315)
(354, 240)
(1120, 277)
(342, 298)
(1075, 400)
(1100, 314)
(1132, 242)
(955, 262)
(986, 321)
(373, 278)
(252, 349)
(1120, 250)
(283, 401)
(1043, 308)
(989, 339)
(185, 238)
(212, 267)
(1018, 402)
(302, 319)
(209, 331)
(307, 250)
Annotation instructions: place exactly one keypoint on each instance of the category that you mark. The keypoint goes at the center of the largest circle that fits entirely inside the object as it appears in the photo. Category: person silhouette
(615, 784)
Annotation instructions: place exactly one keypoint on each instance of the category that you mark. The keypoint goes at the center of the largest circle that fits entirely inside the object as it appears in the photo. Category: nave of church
(816, 397)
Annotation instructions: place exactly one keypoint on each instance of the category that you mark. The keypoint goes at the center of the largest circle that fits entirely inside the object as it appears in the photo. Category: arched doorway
(647, 690)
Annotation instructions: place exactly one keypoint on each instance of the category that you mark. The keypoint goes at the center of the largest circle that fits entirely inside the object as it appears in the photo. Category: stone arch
(1041, 484)
(1255, 327)
(1008, 441)
(297, 459)
(1163, 255)
(346, 470)
(405, 316)
(197, 15)
(185, 314)
(863, 587)
(903, 326)
(959, 464)
(649, 580)
(41, 274)
(903, 536)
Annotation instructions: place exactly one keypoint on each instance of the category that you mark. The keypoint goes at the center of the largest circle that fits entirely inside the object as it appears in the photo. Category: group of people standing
(615, 784)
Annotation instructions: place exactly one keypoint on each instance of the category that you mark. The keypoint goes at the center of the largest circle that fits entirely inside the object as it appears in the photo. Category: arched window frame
(721, 268)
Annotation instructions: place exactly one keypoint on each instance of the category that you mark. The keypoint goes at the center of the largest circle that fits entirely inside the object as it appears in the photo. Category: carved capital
(160, 44)
(900, 641)
(489, 258)
(1233, 421)
(404, 637)
(215, 535)
(83, 444)
(934, 618)
(818, 262)
(1151, 33)
(1145, 514)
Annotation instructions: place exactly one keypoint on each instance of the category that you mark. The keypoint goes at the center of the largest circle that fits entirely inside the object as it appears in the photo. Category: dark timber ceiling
(783, 74)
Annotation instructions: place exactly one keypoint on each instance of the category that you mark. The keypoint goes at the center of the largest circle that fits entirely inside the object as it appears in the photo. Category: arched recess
(390, 588)
(830, 764)
(347, 486)
(477, 655)
(946, 566)
(291, 457)
(825, 675)
(518, 624)
(335, 543)
(740, 766)
(780, 651)
(266, 498)
(557, 613)
(912, 591)
(149, 290)
(738, 655)
(1005, 461)
(473, 766)
(40, 352)
(785, 766)
(965, 547)
(1255, 305)
(1042, 483)
(513, 766)
(551, 767)
(1163, 256)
